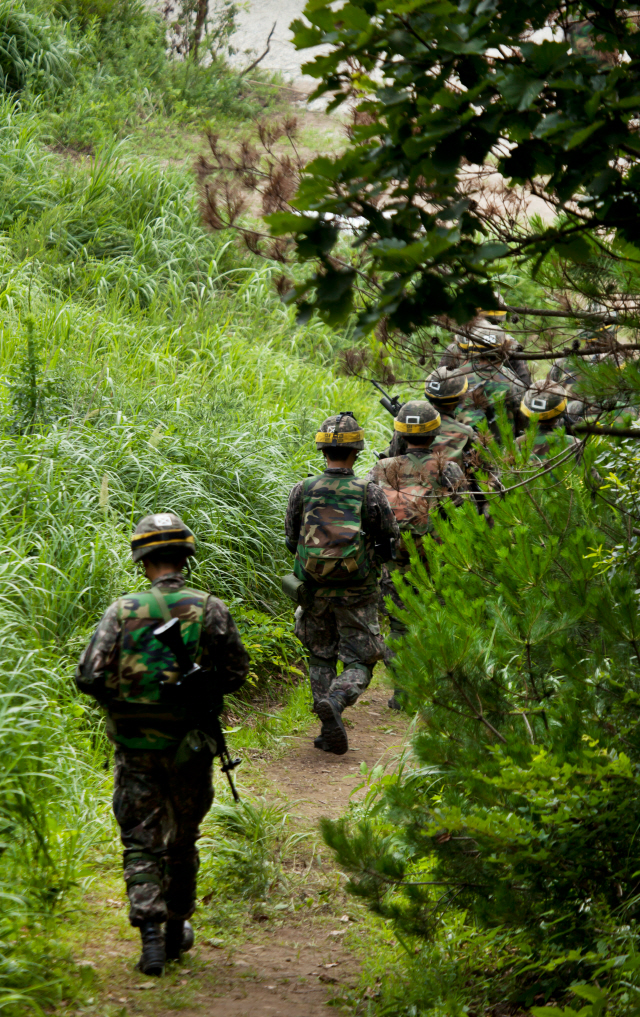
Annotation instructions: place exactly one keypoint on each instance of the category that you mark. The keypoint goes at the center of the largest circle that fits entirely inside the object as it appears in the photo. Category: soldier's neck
(157, 571)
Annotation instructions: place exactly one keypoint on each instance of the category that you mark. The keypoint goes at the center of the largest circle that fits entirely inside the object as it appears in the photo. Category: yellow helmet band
(544, 414)
(328, 437)
(429, 425)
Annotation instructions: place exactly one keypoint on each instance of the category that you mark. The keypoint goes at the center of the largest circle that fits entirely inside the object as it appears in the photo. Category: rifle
(169, 635)
(392, 406)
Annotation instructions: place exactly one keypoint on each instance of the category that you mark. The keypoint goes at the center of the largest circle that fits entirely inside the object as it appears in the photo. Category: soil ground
(274, 967)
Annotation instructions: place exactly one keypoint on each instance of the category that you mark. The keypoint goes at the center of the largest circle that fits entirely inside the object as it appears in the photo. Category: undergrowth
(145, 365)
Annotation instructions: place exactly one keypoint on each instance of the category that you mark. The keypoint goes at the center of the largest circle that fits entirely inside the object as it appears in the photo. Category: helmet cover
(341, 431)
(445, 386)
(418, 417)
(544, 400)
(159, 532)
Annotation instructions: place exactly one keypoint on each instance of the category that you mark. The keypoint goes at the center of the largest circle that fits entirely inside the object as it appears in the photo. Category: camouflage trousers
(159, 808)
(396, 627)
(388, 589)
(346, 629)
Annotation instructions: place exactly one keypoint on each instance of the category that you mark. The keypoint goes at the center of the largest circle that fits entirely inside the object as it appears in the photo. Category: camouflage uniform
(455, 438)
(488, 384)
(162, 786)
(454, 356)
(541, 446)
(340, 622)
(416, 486)
(547, 403)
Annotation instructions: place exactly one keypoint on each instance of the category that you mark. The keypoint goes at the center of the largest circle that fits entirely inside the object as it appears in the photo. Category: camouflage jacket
(116, 671)
(416, 485)
(542, 443)
(488, 384)
(454, 437)
(378, 525)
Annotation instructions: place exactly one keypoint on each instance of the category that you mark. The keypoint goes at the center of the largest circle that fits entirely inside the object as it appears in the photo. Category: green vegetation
(512, 832)
(144, 367)
(448, 95)
(148, 365)
(503, 854)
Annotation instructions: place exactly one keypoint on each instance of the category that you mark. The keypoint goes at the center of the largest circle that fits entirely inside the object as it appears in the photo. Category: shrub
(33, 50)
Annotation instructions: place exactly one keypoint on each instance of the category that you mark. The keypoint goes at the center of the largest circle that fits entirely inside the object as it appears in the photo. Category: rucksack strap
(162, 604)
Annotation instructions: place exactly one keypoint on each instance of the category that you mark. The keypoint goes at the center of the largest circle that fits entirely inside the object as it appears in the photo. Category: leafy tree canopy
(446, 97)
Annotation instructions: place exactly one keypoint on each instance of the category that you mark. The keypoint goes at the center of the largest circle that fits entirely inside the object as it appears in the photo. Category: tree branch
(256, 62)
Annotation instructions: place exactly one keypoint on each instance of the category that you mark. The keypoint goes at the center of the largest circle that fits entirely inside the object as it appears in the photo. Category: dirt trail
(321, 784)
(280, 968)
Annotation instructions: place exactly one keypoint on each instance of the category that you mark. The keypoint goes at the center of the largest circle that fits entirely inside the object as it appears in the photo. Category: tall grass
(164, 373)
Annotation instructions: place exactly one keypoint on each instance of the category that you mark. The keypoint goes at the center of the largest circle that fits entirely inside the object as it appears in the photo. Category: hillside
(146, 366)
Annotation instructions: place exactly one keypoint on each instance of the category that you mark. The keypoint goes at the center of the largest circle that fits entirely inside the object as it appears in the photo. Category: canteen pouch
(293, 588)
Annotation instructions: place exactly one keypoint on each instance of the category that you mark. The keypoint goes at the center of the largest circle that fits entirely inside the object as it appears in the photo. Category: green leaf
(492, 250)
(589, 992)
(281, 223)
(576, 249)
(580, 136)
(520, 88)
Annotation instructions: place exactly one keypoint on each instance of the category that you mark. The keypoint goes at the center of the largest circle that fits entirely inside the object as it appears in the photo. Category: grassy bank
(145, 365)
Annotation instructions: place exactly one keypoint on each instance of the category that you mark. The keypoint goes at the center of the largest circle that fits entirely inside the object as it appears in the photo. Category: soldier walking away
(597, 341)
(548, 403)
(489, 325)
(417, 485)
(162, 729)
(444, 389)
(340, 529)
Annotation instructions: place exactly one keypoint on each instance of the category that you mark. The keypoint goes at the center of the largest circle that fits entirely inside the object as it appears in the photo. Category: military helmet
(341, 431)
(545, 400)
(599, 332)
(482, 338)
(446, 387)
(575, 410)
(418, 417)
(160, 532)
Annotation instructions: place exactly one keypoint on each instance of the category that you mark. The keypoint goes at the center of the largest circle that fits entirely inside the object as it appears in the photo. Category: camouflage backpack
(415, 485)
(332, 549)
(139, 718)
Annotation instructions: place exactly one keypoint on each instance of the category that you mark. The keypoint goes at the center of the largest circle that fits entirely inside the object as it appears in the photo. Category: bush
(522, 664)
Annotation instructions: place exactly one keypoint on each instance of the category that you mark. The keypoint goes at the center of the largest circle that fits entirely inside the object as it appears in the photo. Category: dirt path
(277, 967)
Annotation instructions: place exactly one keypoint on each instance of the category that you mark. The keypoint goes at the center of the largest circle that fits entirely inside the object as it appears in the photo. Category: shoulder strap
(162, 604)
(365, 512)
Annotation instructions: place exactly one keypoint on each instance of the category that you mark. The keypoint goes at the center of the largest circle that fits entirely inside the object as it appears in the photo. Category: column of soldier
(160, 661)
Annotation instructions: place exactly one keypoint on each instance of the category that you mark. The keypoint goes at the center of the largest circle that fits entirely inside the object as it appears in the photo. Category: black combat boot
(334, 733)
(152, 958)
(178, 937)
(393, 703)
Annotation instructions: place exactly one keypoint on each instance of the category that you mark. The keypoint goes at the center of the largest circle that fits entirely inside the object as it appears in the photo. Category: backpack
(332, 549)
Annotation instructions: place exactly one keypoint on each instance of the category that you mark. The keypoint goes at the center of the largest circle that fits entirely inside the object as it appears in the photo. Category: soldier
(340, 529)
(416, 485)
(594, 340)
(488, 325)
(489, 381)
(162, 781)
(445, 389)
(547, 402)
